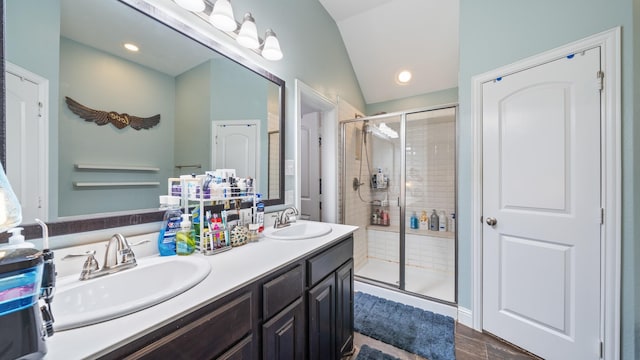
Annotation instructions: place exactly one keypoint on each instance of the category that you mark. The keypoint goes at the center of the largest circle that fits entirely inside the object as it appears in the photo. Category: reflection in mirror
(106, 166)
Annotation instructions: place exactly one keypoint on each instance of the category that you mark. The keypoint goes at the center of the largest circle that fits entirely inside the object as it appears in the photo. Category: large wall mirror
(80, 175)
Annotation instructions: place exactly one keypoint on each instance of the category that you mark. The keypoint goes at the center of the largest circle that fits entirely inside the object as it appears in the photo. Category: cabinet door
(322, 320)
(344, 309)
(283, 336)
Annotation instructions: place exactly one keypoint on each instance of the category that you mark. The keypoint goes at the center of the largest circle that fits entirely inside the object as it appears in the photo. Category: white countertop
(230, 270)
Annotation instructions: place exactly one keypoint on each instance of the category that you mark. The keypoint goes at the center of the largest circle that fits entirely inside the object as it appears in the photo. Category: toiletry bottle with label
(185, 239)
(443, 222)
(170, 224)
(434, 224)
(259, 213)
(414, 221)
(424, 221)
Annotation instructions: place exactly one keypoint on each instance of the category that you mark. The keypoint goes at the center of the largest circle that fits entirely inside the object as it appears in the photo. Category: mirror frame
(56, 228)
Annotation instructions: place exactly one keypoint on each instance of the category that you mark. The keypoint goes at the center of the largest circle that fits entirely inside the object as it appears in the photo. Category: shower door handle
(492, 221)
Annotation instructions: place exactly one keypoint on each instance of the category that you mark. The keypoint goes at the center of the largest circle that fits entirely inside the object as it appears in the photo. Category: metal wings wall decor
(104, 117)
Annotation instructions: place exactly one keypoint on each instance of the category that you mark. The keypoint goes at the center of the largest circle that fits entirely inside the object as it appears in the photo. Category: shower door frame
(401, 203)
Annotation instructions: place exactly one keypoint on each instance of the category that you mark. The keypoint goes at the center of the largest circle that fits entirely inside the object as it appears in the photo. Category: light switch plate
(288, 167)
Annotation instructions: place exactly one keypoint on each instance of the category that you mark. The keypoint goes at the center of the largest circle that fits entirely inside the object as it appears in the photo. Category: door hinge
(319, 140)
(320, 204)
(600, 76)
(601, 216)
(320, 184)
(40, 106)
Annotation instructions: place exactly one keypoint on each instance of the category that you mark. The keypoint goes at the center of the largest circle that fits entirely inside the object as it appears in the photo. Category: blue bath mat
(414, 330)
(369, 353)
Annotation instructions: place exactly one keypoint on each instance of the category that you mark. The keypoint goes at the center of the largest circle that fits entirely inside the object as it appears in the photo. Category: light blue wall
(239, 94)
(34, 46)
(313, 52)
(441, 97)
(193, 113)
(494, 33)
(105, 82)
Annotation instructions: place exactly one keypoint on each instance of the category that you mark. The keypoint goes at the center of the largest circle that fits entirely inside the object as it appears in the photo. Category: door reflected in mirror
(95, 168)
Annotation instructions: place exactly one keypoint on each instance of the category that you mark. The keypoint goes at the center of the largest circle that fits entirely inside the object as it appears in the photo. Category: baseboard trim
(465, 317)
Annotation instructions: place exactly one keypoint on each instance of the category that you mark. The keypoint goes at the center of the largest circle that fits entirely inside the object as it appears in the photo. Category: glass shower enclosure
(398, 185)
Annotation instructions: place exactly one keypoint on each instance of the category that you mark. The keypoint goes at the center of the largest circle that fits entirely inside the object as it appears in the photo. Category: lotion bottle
(442, 225)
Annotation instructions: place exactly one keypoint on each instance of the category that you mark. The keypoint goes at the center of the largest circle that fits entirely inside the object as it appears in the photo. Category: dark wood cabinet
(330, 302)
(301, 310)
(322, 320)
(344, 308)
(283, 336)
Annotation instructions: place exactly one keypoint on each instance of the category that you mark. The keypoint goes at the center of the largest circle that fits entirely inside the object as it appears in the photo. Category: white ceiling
(99, 24)
(384, 37)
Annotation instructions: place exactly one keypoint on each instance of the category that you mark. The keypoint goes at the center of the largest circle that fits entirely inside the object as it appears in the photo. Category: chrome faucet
(117, 257)
(285, 219)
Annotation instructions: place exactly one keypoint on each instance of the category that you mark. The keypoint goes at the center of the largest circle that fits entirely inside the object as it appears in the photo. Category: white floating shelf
(116, 167)
(107, 184)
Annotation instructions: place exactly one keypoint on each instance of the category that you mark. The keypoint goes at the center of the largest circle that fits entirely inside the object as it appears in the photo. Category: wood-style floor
(470, 345)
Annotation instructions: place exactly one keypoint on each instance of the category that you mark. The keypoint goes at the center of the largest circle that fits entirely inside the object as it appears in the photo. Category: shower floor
(420, 281)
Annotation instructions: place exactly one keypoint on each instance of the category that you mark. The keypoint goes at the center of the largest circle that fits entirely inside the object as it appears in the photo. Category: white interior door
(26, 142)
(236, 145)
(541, 186)
(310, 167)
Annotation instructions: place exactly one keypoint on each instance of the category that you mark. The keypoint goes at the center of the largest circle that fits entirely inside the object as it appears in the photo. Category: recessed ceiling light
(404, 76)
(131, 47)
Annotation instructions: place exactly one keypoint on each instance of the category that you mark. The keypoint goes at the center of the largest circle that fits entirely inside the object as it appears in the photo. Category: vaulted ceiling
(384, 37)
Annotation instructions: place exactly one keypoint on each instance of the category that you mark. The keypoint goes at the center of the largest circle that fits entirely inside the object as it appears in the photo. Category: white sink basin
(156, 279)
(299, 231)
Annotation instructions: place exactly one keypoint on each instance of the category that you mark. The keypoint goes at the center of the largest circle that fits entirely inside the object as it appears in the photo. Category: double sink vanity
(289, 295)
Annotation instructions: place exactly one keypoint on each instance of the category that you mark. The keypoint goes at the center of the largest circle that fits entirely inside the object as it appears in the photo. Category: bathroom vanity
(271, 299)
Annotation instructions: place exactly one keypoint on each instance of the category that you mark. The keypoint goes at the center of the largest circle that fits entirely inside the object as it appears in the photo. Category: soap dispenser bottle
(185, 239)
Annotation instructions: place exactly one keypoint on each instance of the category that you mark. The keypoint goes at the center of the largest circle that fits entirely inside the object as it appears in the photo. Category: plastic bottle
(170, 225)
(434, 224)
(414, 221)
(185, 240)
(424, 221)
(443, 222)
(16, 241)
(259, 213)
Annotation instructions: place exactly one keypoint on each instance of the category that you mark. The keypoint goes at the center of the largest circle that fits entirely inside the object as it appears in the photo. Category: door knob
(491, 221)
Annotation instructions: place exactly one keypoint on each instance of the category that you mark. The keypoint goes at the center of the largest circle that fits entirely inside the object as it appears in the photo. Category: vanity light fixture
(220, 15)
(271, 48)
(192, 5)
(248, 35)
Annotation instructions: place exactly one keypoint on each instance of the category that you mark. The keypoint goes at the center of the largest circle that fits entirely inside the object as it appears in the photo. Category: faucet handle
(89, 266)
(88, 253)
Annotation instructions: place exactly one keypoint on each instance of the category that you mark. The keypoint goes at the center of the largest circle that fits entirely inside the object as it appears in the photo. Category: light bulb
(271, 49)
(248, 35)
(191, 5)
(222, 16)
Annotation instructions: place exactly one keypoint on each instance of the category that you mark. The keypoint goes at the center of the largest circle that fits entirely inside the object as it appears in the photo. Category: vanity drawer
(328, 261)
(207, 337)
(282, 291)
